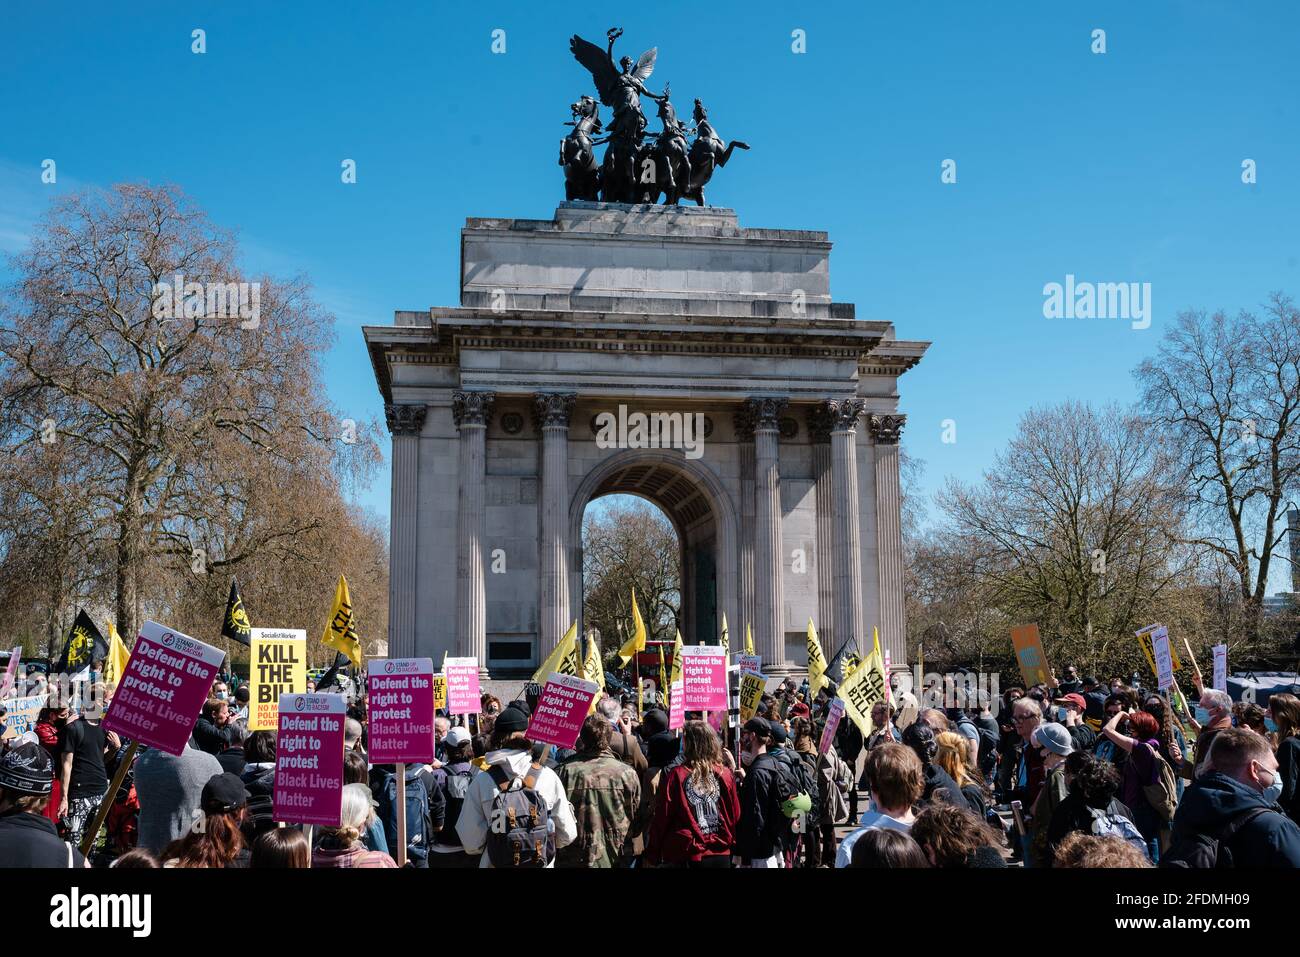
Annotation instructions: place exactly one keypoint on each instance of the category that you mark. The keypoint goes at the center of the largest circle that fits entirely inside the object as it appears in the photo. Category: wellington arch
(788, 510)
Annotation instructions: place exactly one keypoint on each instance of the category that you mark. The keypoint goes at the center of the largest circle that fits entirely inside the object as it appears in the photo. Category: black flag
(235, 625)
(328, 678)
(85, 646)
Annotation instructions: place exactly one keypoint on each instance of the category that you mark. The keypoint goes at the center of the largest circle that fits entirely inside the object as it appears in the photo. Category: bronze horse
(707, 154)
(578, 154)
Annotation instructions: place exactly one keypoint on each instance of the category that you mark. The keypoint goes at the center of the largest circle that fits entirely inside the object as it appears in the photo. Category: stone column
(846, 535)
(744, 421)
(769, 611)
(551, 411)
(472, 411)
(820, 422)
(885, 432)
(405, 423)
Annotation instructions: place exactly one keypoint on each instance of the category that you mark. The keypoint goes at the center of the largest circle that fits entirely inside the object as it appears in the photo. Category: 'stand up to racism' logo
(388, 667)
(169, 639)
(299, 703)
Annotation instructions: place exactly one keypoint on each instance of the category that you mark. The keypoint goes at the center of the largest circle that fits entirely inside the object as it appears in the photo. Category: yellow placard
(1144, 639)
(751, 692)
(1030, 654)
(862, 689)
(277, 665)
(439, 692)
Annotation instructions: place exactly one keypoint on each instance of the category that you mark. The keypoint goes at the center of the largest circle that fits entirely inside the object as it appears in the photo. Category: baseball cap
(456, 737)
(759, 726)
(1075, 699)
(223, 792)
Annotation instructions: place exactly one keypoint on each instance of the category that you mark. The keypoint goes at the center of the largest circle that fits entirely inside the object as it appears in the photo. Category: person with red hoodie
(697, 807)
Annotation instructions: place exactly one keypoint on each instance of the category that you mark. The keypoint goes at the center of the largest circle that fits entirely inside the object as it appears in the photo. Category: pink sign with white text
(400, 709)
(309, 759)
(168, 678)
(704, 673)
(462, 686)
(563, 706)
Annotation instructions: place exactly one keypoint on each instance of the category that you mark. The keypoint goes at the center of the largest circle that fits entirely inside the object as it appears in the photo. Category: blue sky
(1123, 166)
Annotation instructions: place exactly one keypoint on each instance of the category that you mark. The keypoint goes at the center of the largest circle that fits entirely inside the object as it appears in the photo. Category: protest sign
(439, 692)
(167, 680)
(751, 690)
(1144, 639)
(832, 724)
(400, 707)
(564, 704)
(463, 695)
(1220, 667)
(1164, 658)
(704, 673)
(750, 664)
(277, 666)
(1030, 655)
(677, 705)
(309, 759)
(21, 714)
(10, 677)
(862, 689)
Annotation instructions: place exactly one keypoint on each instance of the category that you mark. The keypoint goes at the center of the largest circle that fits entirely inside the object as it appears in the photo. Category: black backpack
(1205, 851)
(418, 816)
(519, 828)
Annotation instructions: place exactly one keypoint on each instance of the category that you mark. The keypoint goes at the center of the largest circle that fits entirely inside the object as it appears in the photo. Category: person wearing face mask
(1226, 817)
(50, 725)
(1218, 706)
(763, 826)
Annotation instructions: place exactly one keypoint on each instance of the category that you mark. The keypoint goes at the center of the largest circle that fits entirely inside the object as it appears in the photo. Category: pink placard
(564, 704)
(167, 680)
(677, 706)
(832, 725)
(463, 695)
(309, 759)
(704, 673)
(400, 709)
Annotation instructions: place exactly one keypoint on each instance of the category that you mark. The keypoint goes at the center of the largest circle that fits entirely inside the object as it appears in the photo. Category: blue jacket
(1270, 840)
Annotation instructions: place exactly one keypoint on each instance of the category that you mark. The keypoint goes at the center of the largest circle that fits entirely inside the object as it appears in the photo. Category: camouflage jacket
(605, 794)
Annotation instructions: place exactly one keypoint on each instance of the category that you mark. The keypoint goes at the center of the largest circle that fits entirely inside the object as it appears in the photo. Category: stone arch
(672, 468)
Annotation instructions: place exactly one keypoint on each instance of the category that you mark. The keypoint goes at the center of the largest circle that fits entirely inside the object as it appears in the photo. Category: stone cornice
(472, 408)
(405, 419)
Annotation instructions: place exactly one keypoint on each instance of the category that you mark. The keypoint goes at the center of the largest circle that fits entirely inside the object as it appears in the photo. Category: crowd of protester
(1073, 775)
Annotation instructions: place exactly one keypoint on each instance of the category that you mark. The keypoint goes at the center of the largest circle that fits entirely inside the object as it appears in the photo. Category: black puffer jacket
(30, 840)
(762, 826)
(259, 780)
(1211, 802)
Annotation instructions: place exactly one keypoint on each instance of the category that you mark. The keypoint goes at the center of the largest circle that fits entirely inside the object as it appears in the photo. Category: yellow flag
(749, 640)
(862, 689)
(341, 632)
(115, 663)
(677, 662)
(564, 659)
(816, 663)
(592, 667)
(637, 641)
(726, 636)
(875, 641)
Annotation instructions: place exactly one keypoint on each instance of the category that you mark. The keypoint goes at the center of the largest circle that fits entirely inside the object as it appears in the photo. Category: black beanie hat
(511, 720)
(27, 769)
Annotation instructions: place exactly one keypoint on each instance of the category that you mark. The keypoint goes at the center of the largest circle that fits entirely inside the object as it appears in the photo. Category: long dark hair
(217, 845)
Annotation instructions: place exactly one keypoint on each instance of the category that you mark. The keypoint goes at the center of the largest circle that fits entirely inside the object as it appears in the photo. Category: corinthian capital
(766, 411)
(844, 413)
(886, 429)
(405, 419)
(472, 408)
(553, 408)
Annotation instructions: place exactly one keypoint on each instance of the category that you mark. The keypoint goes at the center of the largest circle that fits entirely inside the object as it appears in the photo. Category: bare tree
(196, 437)
(629, 543)
(1075, 529)
(1227, 392)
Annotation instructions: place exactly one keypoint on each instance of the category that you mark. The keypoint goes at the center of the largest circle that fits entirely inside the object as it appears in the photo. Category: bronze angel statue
(620, 87)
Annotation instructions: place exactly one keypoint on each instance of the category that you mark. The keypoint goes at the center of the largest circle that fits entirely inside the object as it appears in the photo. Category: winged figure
(620, 86)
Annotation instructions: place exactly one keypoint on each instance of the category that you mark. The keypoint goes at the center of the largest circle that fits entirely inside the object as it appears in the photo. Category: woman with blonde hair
(697, 808)
(954, 757)
(1284, 709)
(341, 846)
